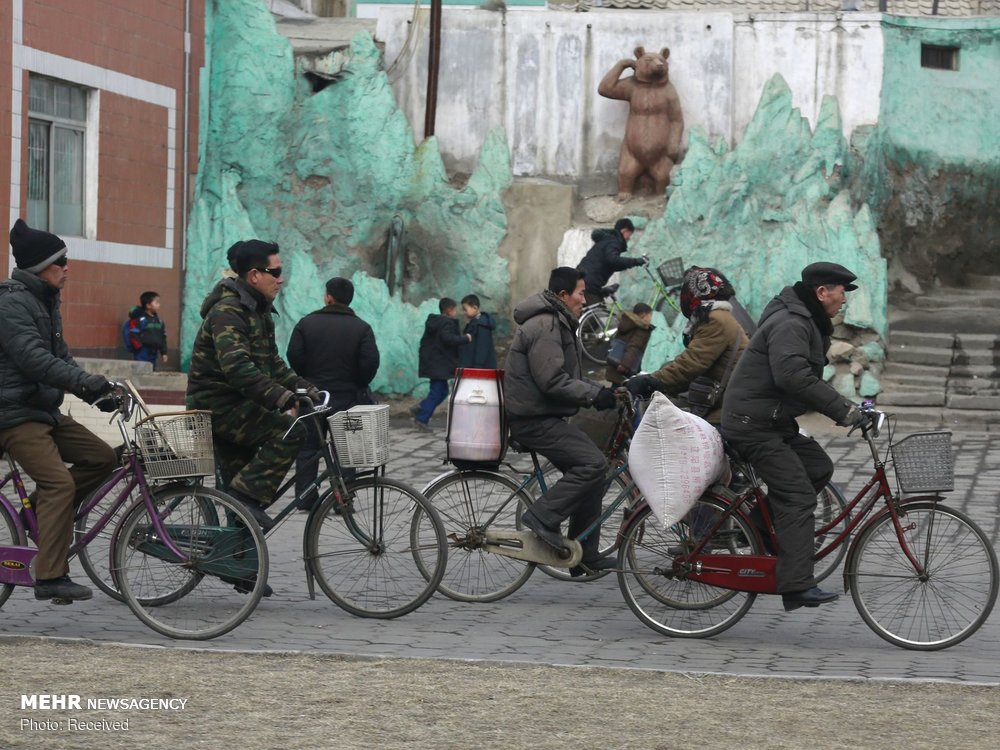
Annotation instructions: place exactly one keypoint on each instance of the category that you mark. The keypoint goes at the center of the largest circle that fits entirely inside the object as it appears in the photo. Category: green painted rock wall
(326, 175)
(761, 212)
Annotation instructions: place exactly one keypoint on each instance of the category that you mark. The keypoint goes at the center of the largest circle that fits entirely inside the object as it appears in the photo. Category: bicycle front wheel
(660, 594)
(97, 557)
(215, 582)
(363, 549)
(595, 331)
(945, 604)
(471, 503)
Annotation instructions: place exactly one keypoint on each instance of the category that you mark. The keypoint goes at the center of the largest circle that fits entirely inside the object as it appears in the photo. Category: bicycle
(922, 575)
(201, 542)
(375, 545)
(599, 321)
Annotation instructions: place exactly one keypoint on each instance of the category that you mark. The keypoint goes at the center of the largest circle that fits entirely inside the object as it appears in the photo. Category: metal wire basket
(671, 272)
(177, 444)
(361, 435)
(924, 463)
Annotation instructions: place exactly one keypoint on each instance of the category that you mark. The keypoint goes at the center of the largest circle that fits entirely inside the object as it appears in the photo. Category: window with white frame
(57, 130)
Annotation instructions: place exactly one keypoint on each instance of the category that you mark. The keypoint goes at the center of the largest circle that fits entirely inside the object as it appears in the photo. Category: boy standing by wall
(147, 336)
(439, 350)
(479, 326)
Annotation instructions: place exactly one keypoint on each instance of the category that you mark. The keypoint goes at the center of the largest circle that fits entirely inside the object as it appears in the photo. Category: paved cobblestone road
(566, 623)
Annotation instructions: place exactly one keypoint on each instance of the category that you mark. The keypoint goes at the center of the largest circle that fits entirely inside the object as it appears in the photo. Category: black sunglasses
(61, 261)
(275, 272)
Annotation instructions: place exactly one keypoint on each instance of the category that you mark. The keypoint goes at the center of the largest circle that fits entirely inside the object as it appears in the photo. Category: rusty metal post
(433, 64)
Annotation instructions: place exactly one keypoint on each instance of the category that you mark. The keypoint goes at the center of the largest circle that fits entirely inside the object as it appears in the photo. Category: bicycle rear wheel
(364, 549)
(97, 558)
(596, 329)
(471, 503)
(935, 610)
(830, 503)
(660, 595)
(216, 582)
(8, 538)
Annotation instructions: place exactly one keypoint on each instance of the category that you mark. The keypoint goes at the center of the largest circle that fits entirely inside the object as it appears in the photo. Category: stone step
(900, 337)
(953, 298)
(980, 401)
(910, 419)
(973, 385)
(985, 372)
(977, 341)
(983, 282)
(911, 397)
(920, 355)
(985, 357)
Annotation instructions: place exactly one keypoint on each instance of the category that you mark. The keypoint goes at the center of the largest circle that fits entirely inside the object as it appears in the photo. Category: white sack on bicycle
(674, 457)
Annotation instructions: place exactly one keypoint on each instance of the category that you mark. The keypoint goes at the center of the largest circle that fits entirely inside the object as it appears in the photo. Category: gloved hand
(287, 402)
(641, 386)
(643, 261)
(854, 418)
(93, 387)
(605, 399)
(107, 404)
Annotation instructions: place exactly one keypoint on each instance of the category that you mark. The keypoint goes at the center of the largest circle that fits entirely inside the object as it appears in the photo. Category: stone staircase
(943, 365)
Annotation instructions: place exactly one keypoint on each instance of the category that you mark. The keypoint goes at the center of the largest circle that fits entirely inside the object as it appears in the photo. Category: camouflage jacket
(235, 357)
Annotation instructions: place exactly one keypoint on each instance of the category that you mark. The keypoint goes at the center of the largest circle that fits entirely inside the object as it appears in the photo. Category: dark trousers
(43, 450)
(579, 493)
(437, 394)
(253, 456)
(795, 468)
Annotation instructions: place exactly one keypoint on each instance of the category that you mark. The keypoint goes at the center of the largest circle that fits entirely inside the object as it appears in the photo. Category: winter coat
(439, 347)
(604, 258)
(235, 358)
(780, 375)
(146, 331)
(35, 365)
(635, 332)
(335, 350)
(543, 373)
(709, 353)
(480, 352)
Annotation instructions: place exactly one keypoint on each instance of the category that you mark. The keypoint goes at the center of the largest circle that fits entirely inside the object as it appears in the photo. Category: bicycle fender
(524, 545)
(858, 533)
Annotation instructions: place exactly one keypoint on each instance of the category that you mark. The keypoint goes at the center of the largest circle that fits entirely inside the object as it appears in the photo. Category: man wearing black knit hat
(35, 370)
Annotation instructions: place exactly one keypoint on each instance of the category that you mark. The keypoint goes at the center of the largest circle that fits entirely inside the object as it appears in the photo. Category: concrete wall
(536, 74)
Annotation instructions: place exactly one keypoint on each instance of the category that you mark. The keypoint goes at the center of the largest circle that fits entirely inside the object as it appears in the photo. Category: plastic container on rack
(477, 426)
(361, 435)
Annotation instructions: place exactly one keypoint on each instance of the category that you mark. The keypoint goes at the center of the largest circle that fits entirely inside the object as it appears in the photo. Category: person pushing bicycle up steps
(543, 386)
(778, 378)
(35, 369)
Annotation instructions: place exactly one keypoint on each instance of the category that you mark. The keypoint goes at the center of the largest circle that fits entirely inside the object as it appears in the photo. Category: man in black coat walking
(605, 257)
(336, 351)
(439, 352)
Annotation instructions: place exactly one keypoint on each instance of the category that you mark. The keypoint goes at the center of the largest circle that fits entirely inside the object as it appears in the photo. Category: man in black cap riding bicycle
(778, 378)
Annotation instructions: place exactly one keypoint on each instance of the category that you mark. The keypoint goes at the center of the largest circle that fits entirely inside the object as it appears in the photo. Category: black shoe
(62, 588)
(551, 537)
(594, 566)
(255, 509)
(809, 598)
(245, 585)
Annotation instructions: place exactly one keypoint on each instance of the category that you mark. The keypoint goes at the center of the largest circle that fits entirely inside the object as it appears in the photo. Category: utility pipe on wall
(433, 63)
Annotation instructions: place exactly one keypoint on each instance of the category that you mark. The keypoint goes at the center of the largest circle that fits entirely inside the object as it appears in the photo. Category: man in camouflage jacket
(237, 374)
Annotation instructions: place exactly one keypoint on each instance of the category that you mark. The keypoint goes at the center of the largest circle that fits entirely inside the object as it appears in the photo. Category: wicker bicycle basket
(924, 463)
(177, 444)
(361, 435)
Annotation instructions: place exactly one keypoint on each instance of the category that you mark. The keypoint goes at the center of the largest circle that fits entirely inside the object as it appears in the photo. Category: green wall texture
(325, 174)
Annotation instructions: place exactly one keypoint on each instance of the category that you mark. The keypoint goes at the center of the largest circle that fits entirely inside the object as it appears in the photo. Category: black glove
(287, 403)
(314, 395)
(641, 386)
(854, 418)
(93, 387)
(107, 404)
(643, 261)
(605, 399)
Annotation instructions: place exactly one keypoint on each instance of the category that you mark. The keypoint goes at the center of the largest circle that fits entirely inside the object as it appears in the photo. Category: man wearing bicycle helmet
(35, 369)
(778, 378)
(605, 257)
(238, 375)
(543, 387)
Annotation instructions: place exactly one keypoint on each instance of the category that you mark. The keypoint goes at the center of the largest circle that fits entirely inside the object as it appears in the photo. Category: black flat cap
(816, 274)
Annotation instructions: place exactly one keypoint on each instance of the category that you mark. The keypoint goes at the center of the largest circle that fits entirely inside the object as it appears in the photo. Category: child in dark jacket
(634, 330)
(479, 326)
(147, 335)
(439, 352)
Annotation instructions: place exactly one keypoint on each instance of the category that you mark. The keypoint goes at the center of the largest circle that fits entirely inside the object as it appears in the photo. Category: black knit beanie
(34, 249)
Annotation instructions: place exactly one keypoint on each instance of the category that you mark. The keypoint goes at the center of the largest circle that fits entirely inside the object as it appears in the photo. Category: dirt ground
(250, 701)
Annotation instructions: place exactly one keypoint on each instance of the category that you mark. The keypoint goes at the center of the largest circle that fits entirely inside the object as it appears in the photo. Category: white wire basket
(177, 444)
(924, 463)
(361, 435)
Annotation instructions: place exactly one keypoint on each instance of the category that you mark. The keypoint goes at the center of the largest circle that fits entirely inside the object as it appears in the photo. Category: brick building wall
(129, 58)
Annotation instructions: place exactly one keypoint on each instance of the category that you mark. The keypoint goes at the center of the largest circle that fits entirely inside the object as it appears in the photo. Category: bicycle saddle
(607, 291)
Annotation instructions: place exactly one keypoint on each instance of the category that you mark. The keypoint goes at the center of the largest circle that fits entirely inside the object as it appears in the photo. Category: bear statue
(655, 123)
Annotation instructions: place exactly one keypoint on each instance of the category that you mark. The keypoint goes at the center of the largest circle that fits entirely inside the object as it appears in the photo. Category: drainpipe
(433, 63)
(186, 132)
